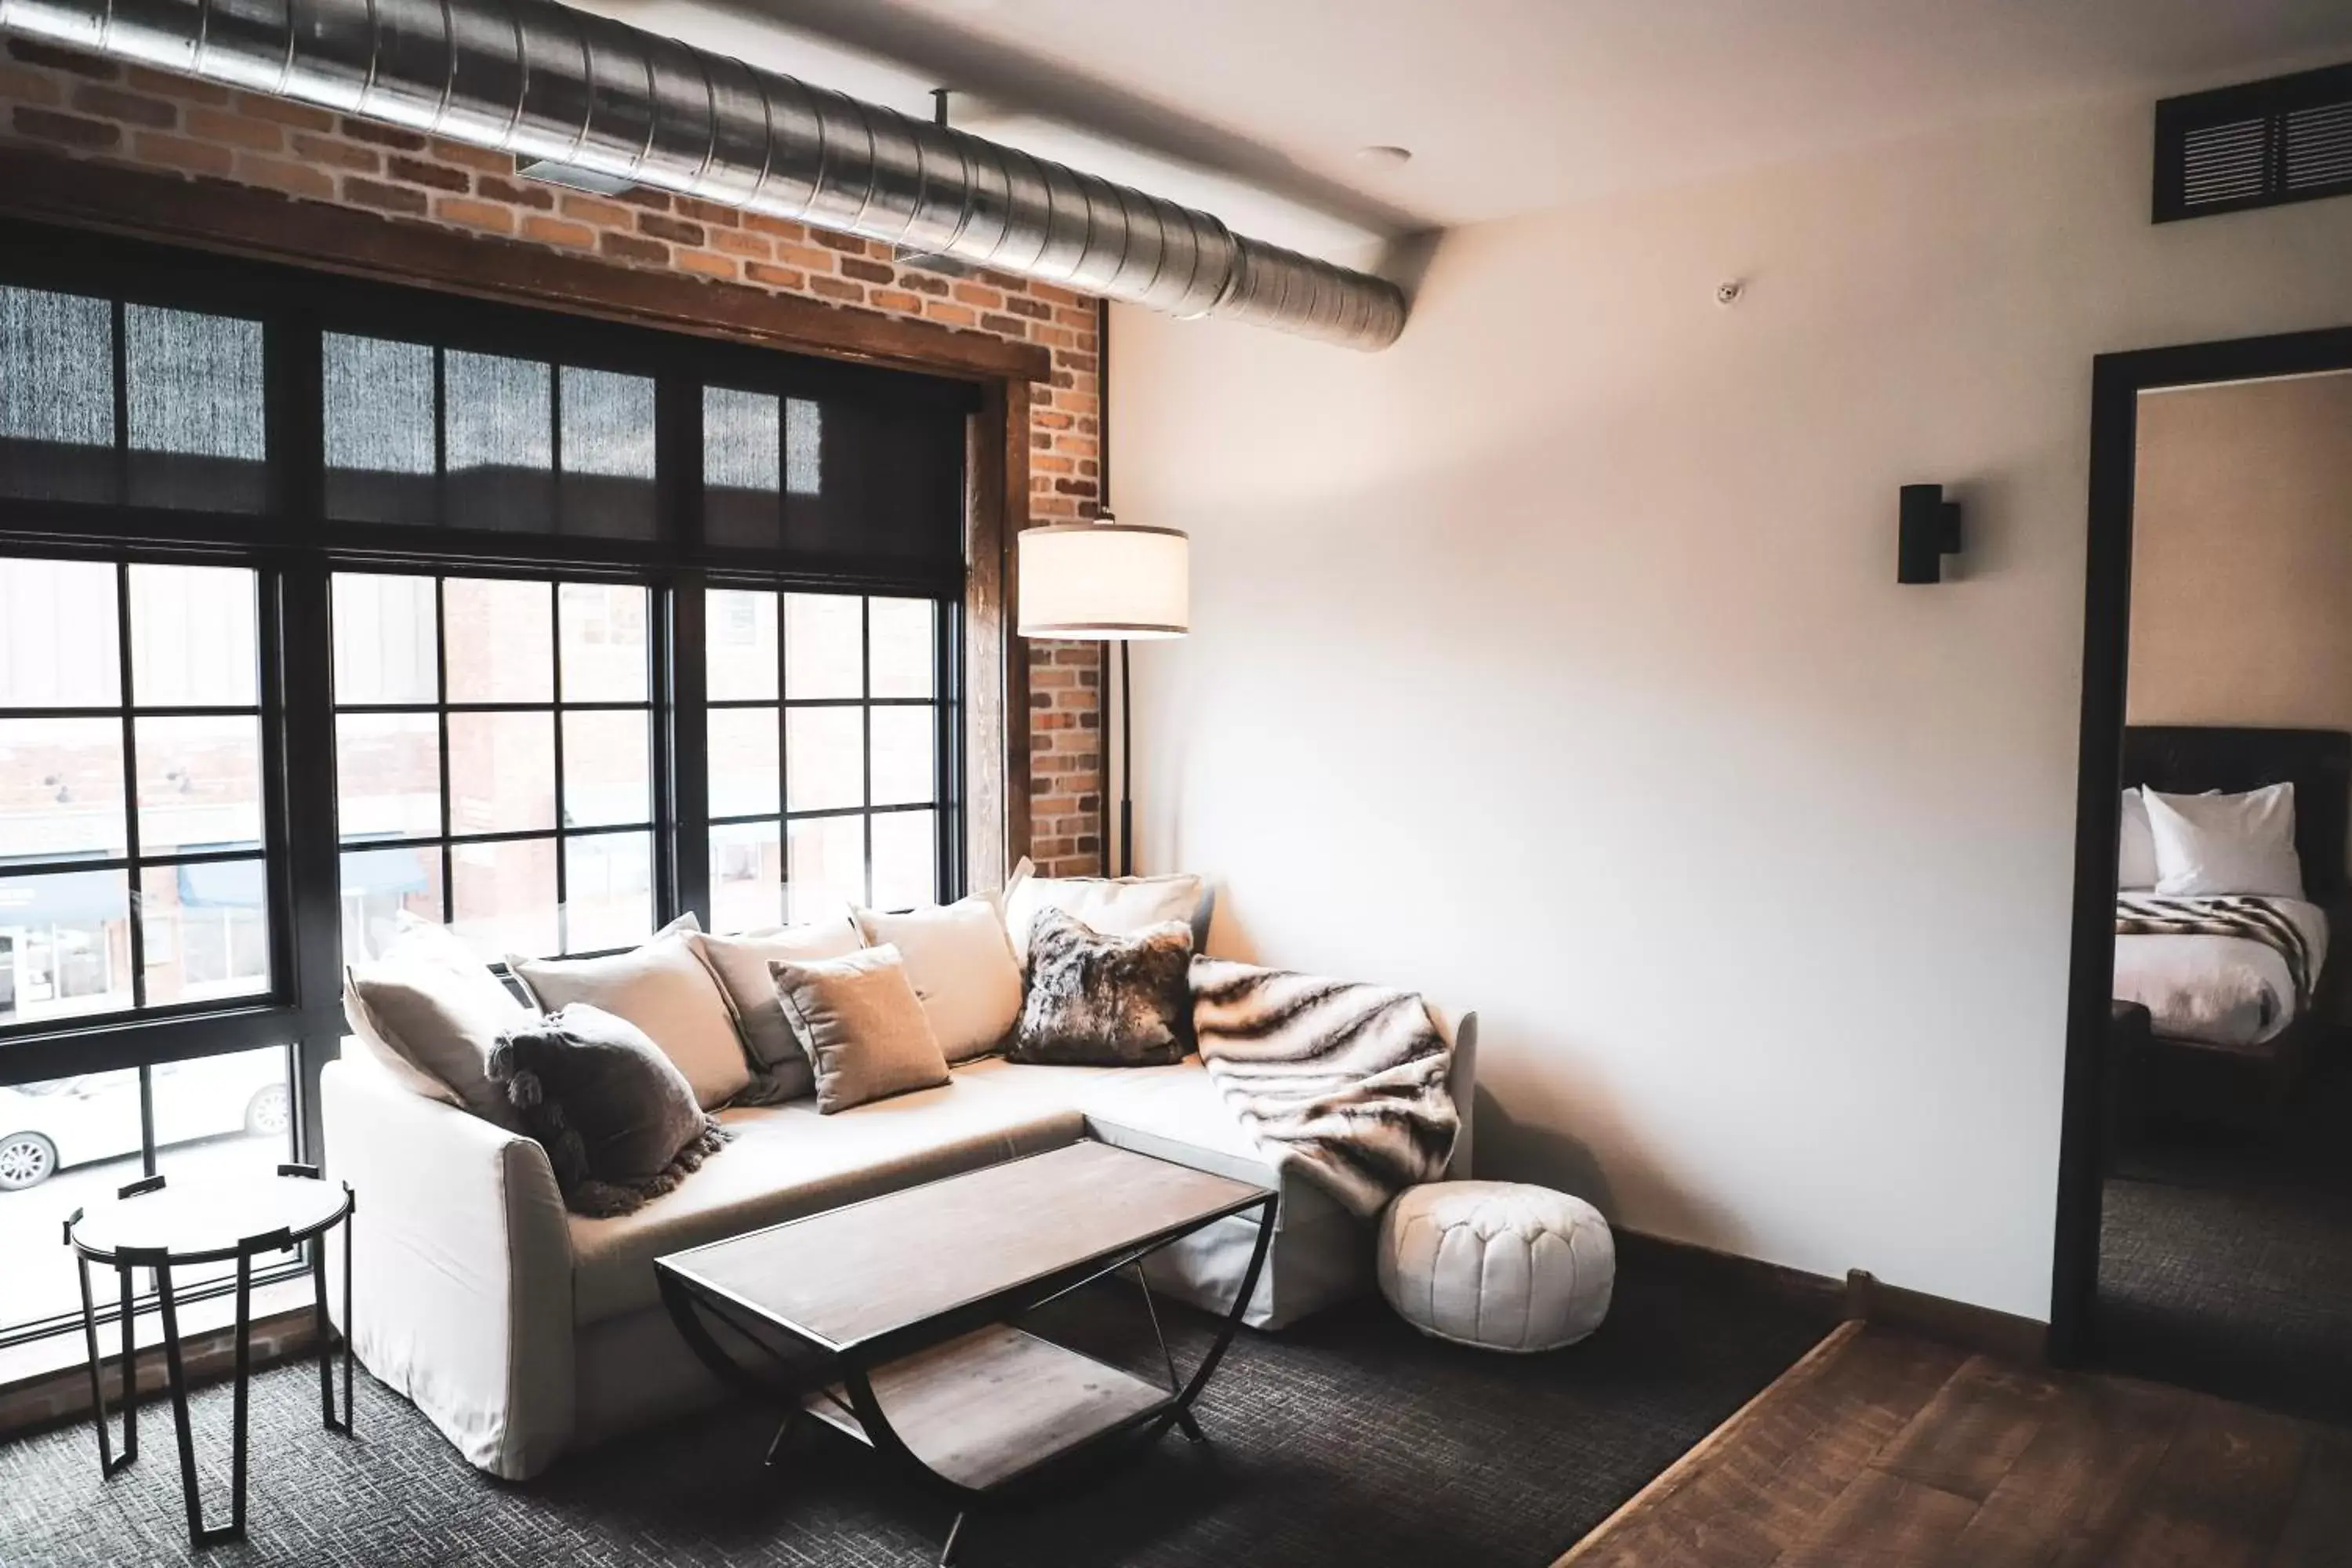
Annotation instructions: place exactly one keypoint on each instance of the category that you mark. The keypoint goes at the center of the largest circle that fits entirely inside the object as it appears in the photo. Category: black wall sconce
(1930, 531)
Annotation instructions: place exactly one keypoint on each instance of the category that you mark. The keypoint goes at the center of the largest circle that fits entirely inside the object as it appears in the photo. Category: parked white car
(48, 1126)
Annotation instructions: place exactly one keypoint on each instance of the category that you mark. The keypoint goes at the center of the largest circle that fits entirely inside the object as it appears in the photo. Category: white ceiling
(1256, 108)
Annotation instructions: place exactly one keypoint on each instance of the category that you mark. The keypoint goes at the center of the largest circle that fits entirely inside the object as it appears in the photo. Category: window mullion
(682, 752)
(138, 923)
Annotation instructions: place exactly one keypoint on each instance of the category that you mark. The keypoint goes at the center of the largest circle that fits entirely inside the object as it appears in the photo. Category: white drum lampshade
(1104, 581)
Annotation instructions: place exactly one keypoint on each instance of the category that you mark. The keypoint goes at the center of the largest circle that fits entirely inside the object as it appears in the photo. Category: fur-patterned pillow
(617, 1118)
(1104, 1001)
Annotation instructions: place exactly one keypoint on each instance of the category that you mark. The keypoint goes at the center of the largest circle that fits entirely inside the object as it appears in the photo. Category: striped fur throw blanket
(1345, 1082)
(2244, 915)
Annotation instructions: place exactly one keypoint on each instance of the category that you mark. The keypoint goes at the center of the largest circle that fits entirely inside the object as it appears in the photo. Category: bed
(2221, 997)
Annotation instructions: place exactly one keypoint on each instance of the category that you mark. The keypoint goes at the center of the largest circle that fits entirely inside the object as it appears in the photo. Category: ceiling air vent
(2258, 145)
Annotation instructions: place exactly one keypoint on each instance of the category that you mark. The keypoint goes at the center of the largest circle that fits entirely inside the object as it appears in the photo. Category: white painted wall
(1553, 662)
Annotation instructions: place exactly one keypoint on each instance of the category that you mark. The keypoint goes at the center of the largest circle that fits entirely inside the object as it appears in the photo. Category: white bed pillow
(2212, 845)
(741, 963)
(666, 990)
(2135, 847)
(1112, 906)
(961, 967)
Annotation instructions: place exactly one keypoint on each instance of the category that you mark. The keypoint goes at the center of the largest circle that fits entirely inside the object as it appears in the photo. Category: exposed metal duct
(546, 82)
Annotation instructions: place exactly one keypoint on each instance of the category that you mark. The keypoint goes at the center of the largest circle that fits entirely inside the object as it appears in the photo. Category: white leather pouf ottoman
(1497, 1265)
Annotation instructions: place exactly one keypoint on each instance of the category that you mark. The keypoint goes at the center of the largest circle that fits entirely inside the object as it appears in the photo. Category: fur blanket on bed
(2245, 916)
(1345, 1082)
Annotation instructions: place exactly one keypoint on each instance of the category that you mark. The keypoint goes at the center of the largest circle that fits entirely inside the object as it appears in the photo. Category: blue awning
(223, 885)
(83, 899)
(401, 870)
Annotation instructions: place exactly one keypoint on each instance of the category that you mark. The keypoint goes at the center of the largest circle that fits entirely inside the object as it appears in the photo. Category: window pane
(206, 931)
(58, 635)
(222, 1117)
(605, 651)
(607, 768)
(379, 417)
(903, 739)
(906, 860)
(739, 636)
(747, 877)
(824, 753)
(63, 1144)
(608, 891)
(608, 454)
(192, 636)
(385, 639)
(503, 896)
(387, 775)
(65, 945)
(744, 777)
(826, 866)
(501, 772)
(194, 404)
(199, 783)
(804, 447)
(499, 442)
(502, 640)
(60, 789)
(378, 884)
(742, 468)
(903, 646)
(823, 651)
(56, 395)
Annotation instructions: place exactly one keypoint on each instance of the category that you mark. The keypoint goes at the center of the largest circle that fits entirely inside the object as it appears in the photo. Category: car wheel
(269, 1112)
(27, 1160)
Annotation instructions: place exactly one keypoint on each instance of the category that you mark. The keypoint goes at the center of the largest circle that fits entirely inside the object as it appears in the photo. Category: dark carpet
(2225, 1256)
(1349, 1439)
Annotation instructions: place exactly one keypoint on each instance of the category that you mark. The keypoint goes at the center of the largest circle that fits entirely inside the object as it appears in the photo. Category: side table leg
(175, 1369)
(351, 1325)
(108, 1464)
(955, 1533)
(176, 1376)
(324, 1328)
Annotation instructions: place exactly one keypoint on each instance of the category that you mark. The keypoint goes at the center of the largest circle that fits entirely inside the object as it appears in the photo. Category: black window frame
(295, 551)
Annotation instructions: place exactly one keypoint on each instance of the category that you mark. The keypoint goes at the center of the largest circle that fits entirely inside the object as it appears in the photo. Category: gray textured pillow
(617, 1118)
(1104, 1001)
(865, 1030)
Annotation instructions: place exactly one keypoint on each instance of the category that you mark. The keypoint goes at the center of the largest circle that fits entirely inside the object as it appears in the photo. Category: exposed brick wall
(81, 107)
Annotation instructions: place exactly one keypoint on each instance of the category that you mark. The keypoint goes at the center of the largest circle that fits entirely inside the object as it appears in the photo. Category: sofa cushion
(960, 965)
(665, 989)
(787, 1161)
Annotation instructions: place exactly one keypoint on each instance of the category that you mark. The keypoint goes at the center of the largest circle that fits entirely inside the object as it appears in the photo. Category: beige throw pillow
(864, 1029)
(741, 964)
(961, 968)
(433, 1027)
(666, 990)
(1109, 906)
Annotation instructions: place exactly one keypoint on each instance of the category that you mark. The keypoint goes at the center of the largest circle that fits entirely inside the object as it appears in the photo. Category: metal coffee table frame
(161, 1261)
(854, 1367)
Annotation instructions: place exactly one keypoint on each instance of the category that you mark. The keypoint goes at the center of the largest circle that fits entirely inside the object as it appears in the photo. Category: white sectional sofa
(523, 1330)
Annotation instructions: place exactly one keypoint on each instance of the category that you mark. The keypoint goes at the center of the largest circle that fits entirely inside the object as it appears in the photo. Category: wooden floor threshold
(1888, 1448)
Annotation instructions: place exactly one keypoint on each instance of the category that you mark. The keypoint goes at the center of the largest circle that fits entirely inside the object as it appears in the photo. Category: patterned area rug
(1348, 1440)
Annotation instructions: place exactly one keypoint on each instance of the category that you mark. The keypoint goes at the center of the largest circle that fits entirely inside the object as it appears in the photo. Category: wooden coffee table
(908, 1302)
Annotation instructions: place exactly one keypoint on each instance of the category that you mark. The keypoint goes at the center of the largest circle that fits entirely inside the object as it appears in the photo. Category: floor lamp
(1106, 582)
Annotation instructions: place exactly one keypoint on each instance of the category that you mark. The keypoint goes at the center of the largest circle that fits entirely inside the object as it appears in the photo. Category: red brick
(835, 288)
(385, 198)
(1005, 326)
(465, 210)
(588, 209)
(339, 154)
(282, 174)
(196, 157)
(1057, 294)
(735, 242)
(895, 300)
(706, 263)
(953, 315)
(1036, 308)
(487, 159)
(867, 271)
(22, 84)
(807, 257)
(629, 248)
(775, 276)
(776, 227)
(921, 282)
(514, 193)
(711, 213)
(646, 197)
(390, 136)
(434, 176)
(113, 103)
(981, 296)
(66, 60)
(848, 244)
(672, 230)
(300, 116)
(70, 130)
(555, 231)
(185, 89)
(236, 130)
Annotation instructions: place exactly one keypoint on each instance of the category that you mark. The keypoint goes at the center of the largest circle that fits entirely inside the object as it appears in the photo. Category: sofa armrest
(1461, 1031)
(461, 1265)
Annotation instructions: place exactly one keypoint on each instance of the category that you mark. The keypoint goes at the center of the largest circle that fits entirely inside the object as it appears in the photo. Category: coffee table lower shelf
(984, 1408)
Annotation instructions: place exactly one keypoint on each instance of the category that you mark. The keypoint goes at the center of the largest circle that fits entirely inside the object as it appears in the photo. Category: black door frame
(2117, 382)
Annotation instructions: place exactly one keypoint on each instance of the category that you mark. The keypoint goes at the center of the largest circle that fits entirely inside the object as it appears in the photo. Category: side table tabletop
(158, 1226)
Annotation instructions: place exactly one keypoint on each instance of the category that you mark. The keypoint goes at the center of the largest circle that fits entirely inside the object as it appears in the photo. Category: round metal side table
(155, 1226)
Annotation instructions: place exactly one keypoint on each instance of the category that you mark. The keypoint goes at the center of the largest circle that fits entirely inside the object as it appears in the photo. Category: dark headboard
(2189, 759)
